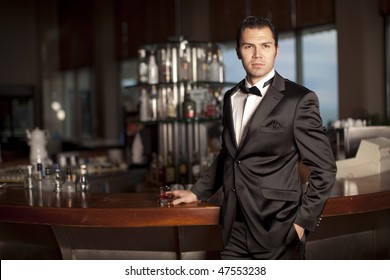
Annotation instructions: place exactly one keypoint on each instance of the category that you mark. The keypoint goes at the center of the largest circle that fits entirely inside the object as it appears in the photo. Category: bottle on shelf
(162, 103)
(29, 179)
(182, 88)
(184, 64)
(165, 75)
(152, 69)
(83, 183)
(144, 110)
(156, 170)
(57, 180)
(213, 68)
(170, 170)
(183, 169)
(209, 106)
(218, 107)
(142, 67)
(39, 173)
(189, 107)
(202, 65)
(69, 185)
(171, 105)
(153, 169)
(47, 182)
(160, 170)
(221, 76)
(153, 98)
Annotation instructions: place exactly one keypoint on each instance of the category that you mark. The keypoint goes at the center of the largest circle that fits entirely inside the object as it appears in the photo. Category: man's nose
(257, 52)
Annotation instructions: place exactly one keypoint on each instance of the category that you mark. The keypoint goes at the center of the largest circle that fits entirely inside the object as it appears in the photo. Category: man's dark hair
(256, 22)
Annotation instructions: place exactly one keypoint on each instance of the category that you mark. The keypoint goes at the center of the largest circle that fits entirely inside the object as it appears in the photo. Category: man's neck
(262, 80)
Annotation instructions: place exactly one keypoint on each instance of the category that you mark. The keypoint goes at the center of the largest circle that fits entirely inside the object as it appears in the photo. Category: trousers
(243, 246)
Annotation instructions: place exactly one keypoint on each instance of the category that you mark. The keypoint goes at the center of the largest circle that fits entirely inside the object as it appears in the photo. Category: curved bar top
(100, 209)
(359, 195)
(122, 210)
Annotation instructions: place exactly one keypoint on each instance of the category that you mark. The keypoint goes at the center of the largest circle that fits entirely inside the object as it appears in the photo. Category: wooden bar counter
(46, 225)
(120, 210)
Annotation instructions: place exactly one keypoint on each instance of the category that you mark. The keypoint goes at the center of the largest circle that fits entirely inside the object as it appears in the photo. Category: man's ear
(238, 53)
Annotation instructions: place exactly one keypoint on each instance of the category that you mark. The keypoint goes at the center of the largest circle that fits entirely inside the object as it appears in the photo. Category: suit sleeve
(316, 153)
(212, 180)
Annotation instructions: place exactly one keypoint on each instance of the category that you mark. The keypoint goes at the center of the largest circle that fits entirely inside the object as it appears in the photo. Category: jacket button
(234, 189)
(238, 162)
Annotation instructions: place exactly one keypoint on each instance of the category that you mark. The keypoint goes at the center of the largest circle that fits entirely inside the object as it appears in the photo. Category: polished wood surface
(100, 209)
(359, 195)
(349, 196)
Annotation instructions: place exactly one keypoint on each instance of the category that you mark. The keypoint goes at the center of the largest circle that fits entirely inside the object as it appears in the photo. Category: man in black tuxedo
(268, 131)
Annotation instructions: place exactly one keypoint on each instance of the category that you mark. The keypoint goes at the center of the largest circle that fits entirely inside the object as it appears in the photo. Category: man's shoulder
(291, 86)
(231, 91)
(234, 88)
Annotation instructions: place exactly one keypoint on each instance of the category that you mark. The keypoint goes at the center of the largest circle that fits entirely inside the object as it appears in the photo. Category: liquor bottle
(165, 75)
(144, 114)
(57, 180)
(184, 64)
(157, 170)
(183, 170)
(142, 67)
(170, 170)
(202, 65)
(83, 184)
(213, 69)
(189, 107)
(28, 179)
(47, 181)
(39, 173)
(160, 170)
(69, 185)
(162, 103)
(221, 71)
(218, 107)
(171, 106)
(211, 106)
(152, 69)
(153, 97)
(152, 169)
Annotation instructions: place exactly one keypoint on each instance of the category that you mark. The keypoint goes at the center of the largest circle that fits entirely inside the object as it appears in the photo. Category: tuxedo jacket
(261, 174)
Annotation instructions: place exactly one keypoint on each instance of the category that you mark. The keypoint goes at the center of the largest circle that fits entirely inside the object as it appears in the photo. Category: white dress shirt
(244, 105)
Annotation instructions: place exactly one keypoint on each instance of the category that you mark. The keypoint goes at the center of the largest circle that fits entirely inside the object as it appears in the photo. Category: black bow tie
(254, 89)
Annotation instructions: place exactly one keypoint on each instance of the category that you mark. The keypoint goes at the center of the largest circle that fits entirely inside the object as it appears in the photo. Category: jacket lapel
(269, 102)
(229, 134)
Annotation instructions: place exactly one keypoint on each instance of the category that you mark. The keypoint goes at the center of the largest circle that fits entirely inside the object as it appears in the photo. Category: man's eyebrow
(263, 43)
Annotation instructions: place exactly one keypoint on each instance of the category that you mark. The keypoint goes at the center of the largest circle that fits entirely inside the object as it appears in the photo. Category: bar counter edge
(355, 225)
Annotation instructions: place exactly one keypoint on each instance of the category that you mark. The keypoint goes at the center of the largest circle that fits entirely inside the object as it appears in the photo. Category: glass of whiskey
(166, 196)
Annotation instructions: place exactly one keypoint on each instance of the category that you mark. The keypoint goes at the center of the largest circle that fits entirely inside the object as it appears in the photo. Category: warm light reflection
(350, 188)
(61, 115)
(56, 106)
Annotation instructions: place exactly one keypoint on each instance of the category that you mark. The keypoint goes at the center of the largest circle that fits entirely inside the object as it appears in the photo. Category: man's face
(257, 52)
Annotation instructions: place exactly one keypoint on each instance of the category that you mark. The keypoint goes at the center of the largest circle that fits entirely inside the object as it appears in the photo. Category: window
(76, 109)
(319, 69)
(286, 61)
